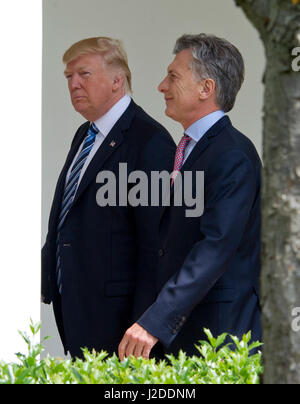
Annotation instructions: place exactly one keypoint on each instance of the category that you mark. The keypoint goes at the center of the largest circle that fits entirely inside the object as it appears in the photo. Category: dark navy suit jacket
(208, 273)
(102, 249)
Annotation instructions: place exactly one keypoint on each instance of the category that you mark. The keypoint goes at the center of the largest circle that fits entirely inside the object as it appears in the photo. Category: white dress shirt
(104, 124)
(198, 129)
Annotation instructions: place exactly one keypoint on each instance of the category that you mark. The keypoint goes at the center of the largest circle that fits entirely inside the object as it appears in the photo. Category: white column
(20, 170)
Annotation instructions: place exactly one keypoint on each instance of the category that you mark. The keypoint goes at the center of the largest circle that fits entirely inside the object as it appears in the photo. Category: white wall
(148, 30)
(20, 171)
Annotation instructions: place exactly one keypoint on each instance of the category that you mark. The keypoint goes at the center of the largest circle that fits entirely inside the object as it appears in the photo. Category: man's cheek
(180, 89)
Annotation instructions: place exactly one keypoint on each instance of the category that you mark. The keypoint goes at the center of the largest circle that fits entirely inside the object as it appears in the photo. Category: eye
(85, 74)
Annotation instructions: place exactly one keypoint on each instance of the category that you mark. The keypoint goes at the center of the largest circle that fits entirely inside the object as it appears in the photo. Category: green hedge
(212, 366)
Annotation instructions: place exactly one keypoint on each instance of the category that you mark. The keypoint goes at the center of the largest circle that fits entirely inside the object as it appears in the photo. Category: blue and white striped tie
(70, 191)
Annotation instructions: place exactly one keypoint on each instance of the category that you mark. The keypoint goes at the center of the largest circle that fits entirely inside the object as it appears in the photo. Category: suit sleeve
(229, 195)
(45, 275)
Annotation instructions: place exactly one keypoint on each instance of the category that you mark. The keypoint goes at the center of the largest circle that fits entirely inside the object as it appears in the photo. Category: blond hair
(111, 50)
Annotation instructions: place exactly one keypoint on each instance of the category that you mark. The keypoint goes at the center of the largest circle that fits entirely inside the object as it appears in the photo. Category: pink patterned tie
(179, 157)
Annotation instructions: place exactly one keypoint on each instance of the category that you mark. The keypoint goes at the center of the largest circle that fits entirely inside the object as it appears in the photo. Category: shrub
(216, 364)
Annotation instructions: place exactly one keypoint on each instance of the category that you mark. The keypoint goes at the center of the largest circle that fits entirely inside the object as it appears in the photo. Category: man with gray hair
(209, 266)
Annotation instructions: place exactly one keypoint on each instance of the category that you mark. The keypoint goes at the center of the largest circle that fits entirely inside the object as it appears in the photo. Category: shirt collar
(198, 129)
(108, 120)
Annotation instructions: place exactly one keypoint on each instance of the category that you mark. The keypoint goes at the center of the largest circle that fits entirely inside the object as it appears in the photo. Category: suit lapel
(111, 143)
(204, 143)
(74, 149)
(79, 137)
(198, 150)
(194, 156)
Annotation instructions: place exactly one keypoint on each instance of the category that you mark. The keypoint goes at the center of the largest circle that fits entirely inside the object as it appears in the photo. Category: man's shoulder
(145, 128)
(144, 120)
(229, 138)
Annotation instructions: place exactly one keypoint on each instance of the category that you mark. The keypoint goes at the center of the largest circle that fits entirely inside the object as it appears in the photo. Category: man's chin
(83, 111)
(79, 107)
(169, 113)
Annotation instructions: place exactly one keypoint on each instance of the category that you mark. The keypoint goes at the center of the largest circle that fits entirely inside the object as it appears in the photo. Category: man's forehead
(84, 61)
(173, 68)
(77, 66)
(181, 61)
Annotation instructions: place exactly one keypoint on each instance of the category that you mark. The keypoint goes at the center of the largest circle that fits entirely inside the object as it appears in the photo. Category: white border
(20, 170)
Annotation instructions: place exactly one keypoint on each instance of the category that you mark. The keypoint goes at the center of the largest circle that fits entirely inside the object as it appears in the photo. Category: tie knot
(93, 130)
(184, 141)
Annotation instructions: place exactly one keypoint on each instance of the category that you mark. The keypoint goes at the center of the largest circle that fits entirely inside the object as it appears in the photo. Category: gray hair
(219, 60)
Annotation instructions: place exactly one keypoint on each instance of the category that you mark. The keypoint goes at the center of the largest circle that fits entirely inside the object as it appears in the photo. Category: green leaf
(220, 340)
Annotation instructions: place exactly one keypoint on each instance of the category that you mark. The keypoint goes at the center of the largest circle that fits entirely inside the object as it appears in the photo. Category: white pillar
(20, 170)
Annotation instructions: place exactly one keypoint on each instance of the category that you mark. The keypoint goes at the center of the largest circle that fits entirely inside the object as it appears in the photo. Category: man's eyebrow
(172, 71)
(85, 67)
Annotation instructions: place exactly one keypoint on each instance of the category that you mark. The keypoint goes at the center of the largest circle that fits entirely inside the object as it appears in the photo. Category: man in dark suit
(93, 252)
(209, 266)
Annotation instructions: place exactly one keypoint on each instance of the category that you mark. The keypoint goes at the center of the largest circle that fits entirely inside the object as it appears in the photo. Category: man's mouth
(78, 98)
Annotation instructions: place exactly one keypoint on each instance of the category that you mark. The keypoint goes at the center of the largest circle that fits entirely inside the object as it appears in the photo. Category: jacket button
(161, 252)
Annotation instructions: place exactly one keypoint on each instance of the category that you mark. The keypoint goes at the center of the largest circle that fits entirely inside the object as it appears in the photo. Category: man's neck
(201, 114)
(94, 116)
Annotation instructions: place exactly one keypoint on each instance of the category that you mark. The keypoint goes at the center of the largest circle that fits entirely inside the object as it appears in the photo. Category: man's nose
(74, 82)
(162, 86)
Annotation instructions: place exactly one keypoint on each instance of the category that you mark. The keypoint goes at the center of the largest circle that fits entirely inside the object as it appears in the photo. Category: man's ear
(207, 88)
(118, 81)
